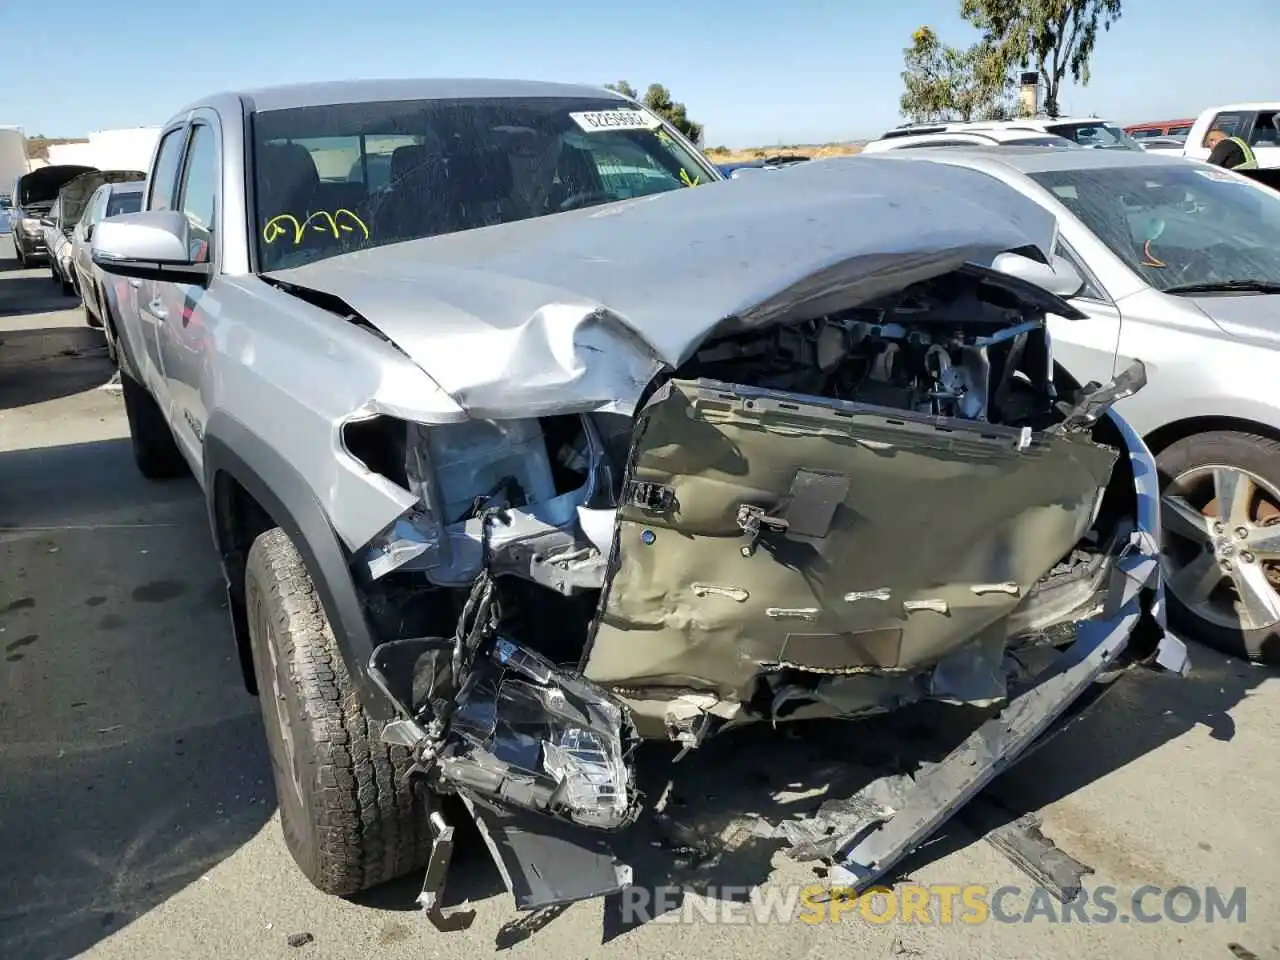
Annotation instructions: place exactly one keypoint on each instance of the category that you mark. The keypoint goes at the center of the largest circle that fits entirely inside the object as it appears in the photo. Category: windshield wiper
(1226, 286)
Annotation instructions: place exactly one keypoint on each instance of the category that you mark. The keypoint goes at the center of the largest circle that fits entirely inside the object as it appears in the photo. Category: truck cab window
(165, 175)
(200, 190)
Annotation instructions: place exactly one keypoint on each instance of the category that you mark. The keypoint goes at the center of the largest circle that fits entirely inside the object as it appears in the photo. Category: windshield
(1096, 134)
(350, 176)
(1177, 224)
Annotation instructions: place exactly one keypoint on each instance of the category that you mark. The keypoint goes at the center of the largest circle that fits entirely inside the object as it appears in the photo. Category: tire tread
(371, 819)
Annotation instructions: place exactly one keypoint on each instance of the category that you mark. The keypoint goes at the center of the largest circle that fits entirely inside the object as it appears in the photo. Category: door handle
(156, 309)
(135, 283)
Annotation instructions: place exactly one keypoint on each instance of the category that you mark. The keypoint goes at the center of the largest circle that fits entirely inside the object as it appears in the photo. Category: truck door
(141, 312)
(189, 310)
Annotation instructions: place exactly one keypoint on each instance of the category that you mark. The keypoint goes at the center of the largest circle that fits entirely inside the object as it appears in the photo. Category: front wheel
(351, 816)
(1220, 510)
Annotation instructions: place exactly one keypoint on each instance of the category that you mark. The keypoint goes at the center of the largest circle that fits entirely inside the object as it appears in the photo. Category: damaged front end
(835, 516)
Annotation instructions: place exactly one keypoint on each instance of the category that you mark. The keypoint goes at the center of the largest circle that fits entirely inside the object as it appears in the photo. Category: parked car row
(1256, 123)
(1024, 131)
(55, 221)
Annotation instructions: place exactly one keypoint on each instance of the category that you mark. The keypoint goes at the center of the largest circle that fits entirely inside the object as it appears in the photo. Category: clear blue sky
(754, 72)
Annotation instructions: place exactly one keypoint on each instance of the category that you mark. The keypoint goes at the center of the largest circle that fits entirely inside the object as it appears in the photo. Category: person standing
(1230, 152)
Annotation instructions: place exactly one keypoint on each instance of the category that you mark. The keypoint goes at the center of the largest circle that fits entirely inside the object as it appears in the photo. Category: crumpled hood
(581, 309)
(75, 194)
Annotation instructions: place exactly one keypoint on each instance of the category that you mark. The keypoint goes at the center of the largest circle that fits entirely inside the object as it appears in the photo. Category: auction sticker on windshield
(1221, 176)
(594, 120)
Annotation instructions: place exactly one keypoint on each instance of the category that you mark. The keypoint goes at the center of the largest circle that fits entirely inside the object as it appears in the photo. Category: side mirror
(1061, 279)
(153, 245)
(88, 231)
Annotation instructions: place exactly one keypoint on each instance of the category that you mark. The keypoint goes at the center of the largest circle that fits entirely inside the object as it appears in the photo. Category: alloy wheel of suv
(1221, 518)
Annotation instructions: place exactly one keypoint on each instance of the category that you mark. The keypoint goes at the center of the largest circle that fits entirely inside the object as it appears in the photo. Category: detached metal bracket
(432, 896)
(751, 520)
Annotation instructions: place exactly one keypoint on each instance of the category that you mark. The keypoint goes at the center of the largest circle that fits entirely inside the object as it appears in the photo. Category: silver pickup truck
(526, 435)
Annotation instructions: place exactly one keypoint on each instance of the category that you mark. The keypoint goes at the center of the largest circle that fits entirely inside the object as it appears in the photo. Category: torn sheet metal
(894, 543)
(941, 789)
(578, 310)
(545, 862)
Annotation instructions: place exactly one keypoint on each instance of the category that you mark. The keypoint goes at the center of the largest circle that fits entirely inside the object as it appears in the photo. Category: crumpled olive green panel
(928, 515)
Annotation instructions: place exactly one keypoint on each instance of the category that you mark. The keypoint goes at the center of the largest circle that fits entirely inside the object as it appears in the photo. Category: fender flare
(233, 449)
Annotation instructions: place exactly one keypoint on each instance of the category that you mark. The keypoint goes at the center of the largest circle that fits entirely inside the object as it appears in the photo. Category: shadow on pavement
(710, 844)
(133, 760)
(44, 364)
(36, 293)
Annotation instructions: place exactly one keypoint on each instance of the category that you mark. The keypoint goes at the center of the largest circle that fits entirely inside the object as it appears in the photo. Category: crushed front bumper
(546, 860)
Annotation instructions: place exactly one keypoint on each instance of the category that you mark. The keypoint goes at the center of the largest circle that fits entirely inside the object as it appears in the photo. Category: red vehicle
(1160, 128)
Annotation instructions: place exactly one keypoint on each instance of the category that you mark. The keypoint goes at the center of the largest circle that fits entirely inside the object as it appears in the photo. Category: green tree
(658, 99)
(624, 88)
(949, 83)
(1056, 37)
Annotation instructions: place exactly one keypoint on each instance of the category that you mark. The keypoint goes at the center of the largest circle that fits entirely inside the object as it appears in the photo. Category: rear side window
(1228, 123)
(1181, 130)
(1264, 132)
(124, 203)
(165, 176)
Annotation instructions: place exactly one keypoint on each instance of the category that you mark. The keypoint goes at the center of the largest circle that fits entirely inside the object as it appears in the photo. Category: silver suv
(525, 435)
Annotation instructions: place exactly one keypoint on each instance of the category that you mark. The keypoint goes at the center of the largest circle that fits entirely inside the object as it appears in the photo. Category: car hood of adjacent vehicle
(579, 310)
(41, 186)
(76, 192)
(1253, 317)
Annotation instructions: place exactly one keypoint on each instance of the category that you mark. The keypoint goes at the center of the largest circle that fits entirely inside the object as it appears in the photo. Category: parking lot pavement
(137, 817)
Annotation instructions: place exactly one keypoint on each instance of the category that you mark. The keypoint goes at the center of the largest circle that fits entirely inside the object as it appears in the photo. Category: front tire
(154, 449)
(1220, 510)
(352, 818)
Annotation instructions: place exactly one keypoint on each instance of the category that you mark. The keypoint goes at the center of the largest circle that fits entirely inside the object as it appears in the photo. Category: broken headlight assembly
(526, 734)
(531, 497)
(505, 724)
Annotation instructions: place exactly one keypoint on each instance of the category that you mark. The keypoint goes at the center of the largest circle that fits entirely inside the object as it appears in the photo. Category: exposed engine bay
(829, 518)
